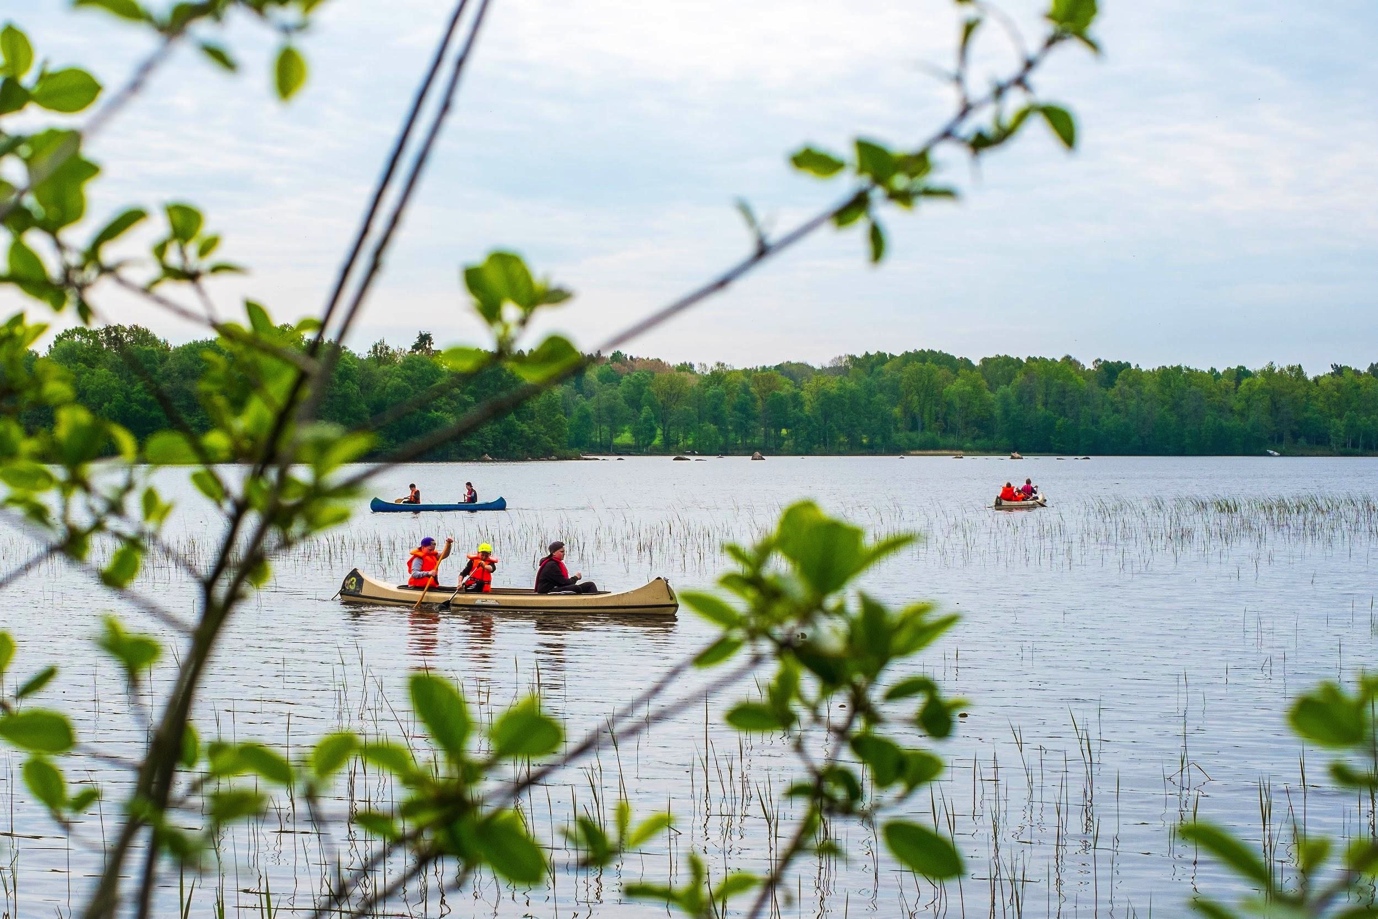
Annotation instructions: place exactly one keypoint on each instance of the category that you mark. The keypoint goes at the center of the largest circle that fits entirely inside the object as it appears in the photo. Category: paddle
(424, 591)
(445, 607)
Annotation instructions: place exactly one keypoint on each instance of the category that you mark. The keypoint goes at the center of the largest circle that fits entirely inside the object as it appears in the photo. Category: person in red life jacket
(477, 576)
(1028, 491)
(470, 496)
(553, 578)
(1008, 493)
(414, 497)
(424, 562)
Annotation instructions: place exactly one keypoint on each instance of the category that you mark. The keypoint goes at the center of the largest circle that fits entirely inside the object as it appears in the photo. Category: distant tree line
(872, 403)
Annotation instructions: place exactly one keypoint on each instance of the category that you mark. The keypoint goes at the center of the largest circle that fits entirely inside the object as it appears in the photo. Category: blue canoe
(379, 506)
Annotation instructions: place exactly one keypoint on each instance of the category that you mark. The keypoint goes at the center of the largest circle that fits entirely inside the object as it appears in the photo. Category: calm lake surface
(1128, 654)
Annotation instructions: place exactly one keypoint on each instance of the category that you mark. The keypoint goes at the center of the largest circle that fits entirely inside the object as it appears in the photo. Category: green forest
(871, 403)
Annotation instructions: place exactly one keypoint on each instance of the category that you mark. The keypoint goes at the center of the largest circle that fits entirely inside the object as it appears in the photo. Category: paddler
(413, 496)
(553, 578)
(424, 562)
(477, 576)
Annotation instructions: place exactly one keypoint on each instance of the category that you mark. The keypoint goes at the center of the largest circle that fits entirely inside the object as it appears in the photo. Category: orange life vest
(480, 573)
(421, 566)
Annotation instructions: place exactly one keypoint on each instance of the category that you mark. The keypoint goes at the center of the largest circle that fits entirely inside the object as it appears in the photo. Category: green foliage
(289, 72)
(1339, 719)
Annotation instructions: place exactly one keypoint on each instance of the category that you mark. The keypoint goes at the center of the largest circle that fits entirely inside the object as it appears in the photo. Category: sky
(1221, 207)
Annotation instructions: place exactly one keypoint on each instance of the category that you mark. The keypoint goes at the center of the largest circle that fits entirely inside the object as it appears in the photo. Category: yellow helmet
(484, 547)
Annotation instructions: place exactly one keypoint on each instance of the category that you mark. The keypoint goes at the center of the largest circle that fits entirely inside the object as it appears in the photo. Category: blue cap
(428, 541)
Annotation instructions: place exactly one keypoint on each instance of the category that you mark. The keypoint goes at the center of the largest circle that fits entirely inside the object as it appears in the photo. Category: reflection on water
(1127, 651)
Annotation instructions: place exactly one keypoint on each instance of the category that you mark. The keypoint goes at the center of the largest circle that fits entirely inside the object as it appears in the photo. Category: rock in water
(757, 456)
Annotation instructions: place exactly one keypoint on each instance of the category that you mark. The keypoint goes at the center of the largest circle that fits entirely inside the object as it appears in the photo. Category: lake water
(1128, 654)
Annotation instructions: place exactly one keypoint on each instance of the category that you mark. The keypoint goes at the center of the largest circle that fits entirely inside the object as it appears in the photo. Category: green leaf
(718, 651)
(464, 359)
(712, 608)
(169, 448)
(191, 747)
(332, 752)
(13, 97)
(24, 263)
(236, 804)
(817, 162)
(219, 55)
(1074, 16)
(36, 682)
(523, 730)
(738, 882)
(7, 647)
(38, 731)
(651, 826)
(550, 359)
(46, 783)
(125, 9)
(1062, 124)
(17, 51)
(206, 483)
(853, 210)
(875, 161)
(390, 756)
(882, 755)
(877, 238)
(827, 553)
(123, 568)
(184, 221)
(441, 707)
(135, 652)
(121, 224)
(922, 850)
(265, 762)
(83, 799)
(1229, 850)
(753, 716)
(380, 825)
(920, 768)
(289, 72)
(1329, 717)
(501, 277)
(504, 844)
(66, 91)
(912, 686)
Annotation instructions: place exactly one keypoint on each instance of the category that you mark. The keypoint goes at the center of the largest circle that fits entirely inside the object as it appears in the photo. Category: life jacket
(421, 566)
(1009, 494)
(479, 574)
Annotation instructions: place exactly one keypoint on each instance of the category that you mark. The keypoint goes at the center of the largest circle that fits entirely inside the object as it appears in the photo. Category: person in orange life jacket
(470, 496)
(1008, 493)
(478, 571)
(553, 578)
(414, 497)
(424, 562)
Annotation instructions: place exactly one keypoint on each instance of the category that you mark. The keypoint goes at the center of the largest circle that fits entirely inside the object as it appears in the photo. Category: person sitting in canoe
(424, 562)
(553, 578)
(1029, 490)
(470, 496)
(414, 497)
(1010, 494)
(477, 576)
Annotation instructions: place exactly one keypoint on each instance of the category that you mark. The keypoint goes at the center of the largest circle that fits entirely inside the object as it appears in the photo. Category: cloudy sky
(1222, 207)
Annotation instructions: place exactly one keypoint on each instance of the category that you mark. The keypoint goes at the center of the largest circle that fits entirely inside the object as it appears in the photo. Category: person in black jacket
(553, 577)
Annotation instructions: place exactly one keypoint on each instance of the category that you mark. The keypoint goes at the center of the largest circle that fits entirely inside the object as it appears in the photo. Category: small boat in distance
(654, 599)
(379, 506)
(1273, 453)
(1027, 504)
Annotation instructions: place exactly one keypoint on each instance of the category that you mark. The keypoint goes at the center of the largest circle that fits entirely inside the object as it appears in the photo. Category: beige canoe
(1028, 505)
(654, 599)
